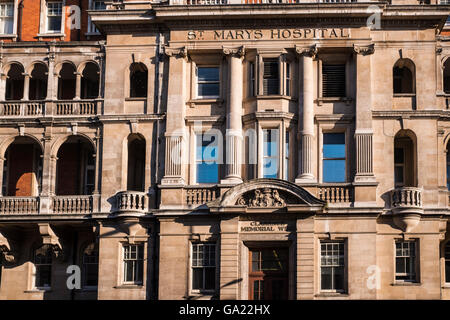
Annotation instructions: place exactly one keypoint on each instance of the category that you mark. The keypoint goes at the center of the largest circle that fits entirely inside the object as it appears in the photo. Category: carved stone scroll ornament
(176, 52)
(262, 198)
(51, 239)
(239, 52)
(364, 50)
(307, 51)
(9, 255)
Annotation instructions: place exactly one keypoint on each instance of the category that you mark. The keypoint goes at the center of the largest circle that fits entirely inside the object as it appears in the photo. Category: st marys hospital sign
(268, 34)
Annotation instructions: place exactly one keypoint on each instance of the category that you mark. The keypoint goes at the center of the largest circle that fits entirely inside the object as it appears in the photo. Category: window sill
(5, 36)
(331, 294)
(200, 101)
(272, 96)
(136, 99)
(87, 289)
(49, 34)
(37, 290)
(129, 286)
(446, 286)
(404, 95)
(323, 100)
(406, 284)
(89, 34)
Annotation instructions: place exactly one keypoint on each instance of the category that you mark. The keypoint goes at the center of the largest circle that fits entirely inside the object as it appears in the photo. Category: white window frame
(44, 19)
(123, 264)
(191, 267)
(343, 243)
(414, 279)
(34, 273)
(83, 270)
(92, 29)
(14, 18)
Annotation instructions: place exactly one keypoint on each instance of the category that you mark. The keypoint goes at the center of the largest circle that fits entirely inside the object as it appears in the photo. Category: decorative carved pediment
(260, 198)
(266, 193)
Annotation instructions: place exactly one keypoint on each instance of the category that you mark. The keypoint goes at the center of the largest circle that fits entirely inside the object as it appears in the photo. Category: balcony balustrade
(44, 108)
(19, 205)
(198, 196)
(406, 206)
(72, 204)
(336, 193)
(131, 202)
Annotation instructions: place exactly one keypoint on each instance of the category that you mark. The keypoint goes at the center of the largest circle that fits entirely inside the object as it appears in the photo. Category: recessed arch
(90, 80)
(15, 81)
(67, 81)
(404, 76)
(446, 75)
(136, 156)
(405, 159)
(138, 80)
(38, 72)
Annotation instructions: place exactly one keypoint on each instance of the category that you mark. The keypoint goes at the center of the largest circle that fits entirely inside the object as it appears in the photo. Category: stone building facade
(224, 149)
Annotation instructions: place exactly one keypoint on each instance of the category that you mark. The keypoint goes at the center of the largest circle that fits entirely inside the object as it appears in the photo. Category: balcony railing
(131, 201)
(72, 204)
(224, 2)
(406, 197)
(336, 193)
(199, 196)
(44, 108)
(19, 205)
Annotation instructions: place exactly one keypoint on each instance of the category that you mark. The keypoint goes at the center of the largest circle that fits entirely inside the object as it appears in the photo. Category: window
(447, 262)
(43, 267)
(90, 265)
(403, 76)
(133, 261)
(270, 153)
(54, 16)
(334, 157)
(399, 164)
(208, 83)
(95, 5)
(7, 18)
(333, 80)
(271, 77)
(405, 261)
(252, 80)
(447, 76)
(288, 79)
(448, 168)
(203, 266)
(332, 265)
(89, 174)
(286, 156)
(207, 159)
(138, 80)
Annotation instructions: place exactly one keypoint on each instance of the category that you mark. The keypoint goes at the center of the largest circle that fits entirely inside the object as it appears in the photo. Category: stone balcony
(49, 108)
(227, 2)
(64, 205)
(406, 206)
(133, 203)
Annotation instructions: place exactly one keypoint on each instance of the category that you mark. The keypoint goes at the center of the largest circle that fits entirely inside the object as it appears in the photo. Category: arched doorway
(136, 163)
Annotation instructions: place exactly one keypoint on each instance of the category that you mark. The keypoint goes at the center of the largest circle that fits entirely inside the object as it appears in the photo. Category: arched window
(22, 168)
(447, 76)
(43, 257)
(15, 82)
(448, 166)
(138, 80)
(75, 167)
(136, 163)
(38, 82)
(90, 265)
(404, 77)
(90, 81)
(67, 82)
(404, 159)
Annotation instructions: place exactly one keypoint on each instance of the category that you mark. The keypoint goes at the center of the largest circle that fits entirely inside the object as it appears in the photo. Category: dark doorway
(268, 273)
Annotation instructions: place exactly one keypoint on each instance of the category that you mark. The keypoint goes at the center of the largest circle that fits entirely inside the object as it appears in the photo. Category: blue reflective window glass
(334, 169)
(270, 153)
(206, 159)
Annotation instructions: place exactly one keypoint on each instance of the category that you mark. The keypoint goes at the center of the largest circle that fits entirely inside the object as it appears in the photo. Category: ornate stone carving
(51, 239)
(176, 52)
(6, 249)
(240, 51)
(307, 51)
(266, 197)
(364, 50)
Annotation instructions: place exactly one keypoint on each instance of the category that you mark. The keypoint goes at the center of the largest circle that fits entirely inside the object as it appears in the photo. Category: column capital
(307, 51)
(176, 52)
(364, 49)
(239, 51)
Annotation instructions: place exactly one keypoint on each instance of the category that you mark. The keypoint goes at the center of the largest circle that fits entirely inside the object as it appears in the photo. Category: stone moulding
(264, 194)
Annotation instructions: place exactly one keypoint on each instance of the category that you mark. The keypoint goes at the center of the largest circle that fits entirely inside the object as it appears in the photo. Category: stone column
(78, 86)
(2, 163)
(48, 178)
(229, 259)
(364, 132)
(306, 108)
(50, 81)
(26, 87)
(175, 121)
(234, 116)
